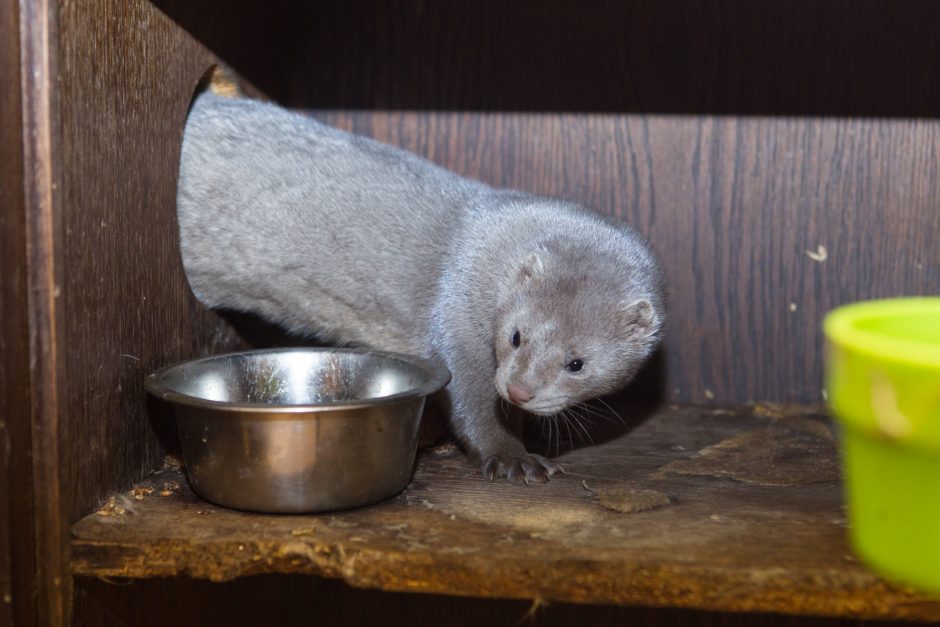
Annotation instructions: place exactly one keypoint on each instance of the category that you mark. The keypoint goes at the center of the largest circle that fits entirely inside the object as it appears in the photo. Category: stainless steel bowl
(299, 430)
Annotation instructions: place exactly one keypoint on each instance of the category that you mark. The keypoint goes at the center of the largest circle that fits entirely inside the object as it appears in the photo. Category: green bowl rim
(840, 328)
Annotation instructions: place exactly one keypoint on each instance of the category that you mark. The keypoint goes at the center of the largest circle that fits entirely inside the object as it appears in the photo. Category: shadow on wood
(802, 57)
(309, 601)
(601, 420)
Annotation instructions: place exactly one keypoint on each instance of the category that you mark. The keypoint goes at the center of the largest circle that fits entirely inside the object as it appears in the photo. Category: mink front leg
(500, 453)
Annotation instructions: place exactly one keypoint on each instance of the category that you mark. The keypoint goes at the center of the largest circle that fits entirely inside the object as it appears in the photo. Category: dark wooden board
(127, 308)
(39, 65)
(90, 248)
(737, 209)
(745, 57)
(308, 601)
(17, 559)
(657, 517)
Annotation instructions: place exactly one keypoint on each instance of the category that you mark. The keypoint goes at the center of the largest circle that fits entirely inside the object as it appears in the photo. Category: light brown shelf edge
(383, 547)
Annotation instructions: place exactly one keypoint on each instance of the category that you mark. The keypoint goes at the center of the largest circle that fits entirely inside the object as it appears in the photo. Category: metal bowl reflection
(299, 430)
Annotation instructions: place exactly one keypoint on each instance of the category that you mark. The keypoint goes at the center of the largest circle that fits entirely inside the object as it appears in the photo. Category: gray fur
(329, 233)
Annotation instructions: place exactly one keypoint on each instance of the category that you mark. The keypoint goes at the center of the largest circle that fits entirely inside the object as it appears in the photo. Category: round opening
(298, 379)
(903, 330)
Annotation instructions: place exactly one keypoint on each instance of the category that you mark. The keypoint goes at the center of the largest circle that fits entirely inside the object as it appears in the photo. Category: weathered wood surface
(763, 224)
(659, 516)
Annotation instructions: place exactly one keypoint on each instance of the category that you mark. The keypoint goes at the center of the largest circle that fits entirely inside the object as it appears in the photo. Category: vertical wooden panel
(40, 174)
(91, 248)
(737, 209)
(126, 81)
(17, 560)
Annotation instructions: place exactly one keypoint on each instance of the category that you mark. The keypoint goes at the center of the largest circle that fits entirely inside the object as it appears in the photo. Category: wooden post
(98, 297)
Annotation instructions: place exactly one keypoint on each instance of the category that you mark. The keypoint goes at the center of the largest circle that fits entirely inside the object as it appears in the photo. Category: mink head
(572, 327)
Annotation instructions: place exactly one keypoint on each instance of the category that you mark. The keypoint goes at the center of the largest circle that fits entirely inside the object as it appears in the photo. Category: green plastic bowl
(883, 379)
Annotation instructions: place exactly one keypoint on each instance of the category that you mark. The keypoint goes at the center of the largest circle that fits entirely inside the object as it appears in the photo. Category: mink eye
(516, 339)
(574, 365)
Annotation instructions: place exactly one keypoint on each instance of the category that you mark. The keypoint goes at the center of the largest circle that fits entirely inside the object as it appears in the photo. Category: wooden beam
(17, 558)
(105, 89)
(38, 32)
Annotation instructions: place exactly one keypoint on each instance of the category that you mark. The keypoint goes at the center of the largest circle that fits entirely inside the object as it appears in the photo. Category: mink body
(536, 300)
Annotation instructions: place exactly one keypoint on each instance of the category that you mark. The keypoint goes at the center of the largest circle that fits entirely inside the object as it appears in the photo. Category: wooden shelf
(734, 509)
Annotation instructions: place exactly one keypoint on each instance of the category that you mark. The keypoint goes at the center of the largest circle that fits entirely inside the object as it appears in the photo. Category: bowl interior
(895, 330)
(916, 326)
(299, 377)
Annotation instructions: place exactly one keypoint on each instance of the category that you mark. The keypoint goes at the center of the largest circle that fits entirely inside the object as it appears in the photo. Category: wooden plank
(105, 91)
(836, 58)
(304, 601)
(126, 82)
(39, 28)
(657, 517)
(737, 209)
(17, 559)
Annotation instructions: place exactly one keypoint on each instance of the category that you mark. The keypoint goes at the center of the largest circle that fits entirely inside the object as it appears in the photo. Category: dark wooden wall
(17, 562)
(746, 57)
(739, 135)
(733, 205)
(128, 77)
(92, 266)
(676, 115)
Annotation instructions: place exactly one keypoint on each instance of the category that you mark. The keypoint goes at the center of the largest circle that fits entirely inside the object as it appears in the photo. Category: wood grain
(729, 537)
(128, 77)
(39, 29)
(105, 91)
(743, 57)
(734, 206)
(17, 559)
(733, 203)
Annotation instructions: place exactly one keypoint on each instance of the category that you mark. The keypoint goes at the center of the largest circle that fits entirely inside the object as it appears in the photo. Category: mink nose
(518, 394)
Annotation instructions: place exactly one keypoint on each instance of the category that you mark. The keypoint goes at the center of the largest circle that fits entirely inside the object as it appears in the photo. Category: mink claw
(520, 470)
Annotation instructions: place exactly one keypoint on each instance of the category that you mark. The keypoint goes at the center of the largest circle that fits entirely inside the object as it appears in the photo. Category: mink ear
(639, 318)
(532, 267)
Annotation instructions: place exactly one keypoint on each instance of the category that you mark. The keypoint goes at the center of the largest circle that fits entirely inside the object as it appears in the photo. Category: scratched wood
(659, 517)
(737, 208)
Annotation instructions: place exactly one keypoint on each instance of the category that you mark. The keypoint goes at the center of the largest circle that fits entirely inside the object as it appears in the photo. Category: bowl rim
(438, 377)
(841, 328)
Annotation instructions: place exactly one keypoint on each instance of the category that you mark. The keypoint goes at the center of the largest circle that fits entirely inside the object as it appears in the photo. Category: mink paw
(520, 470)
